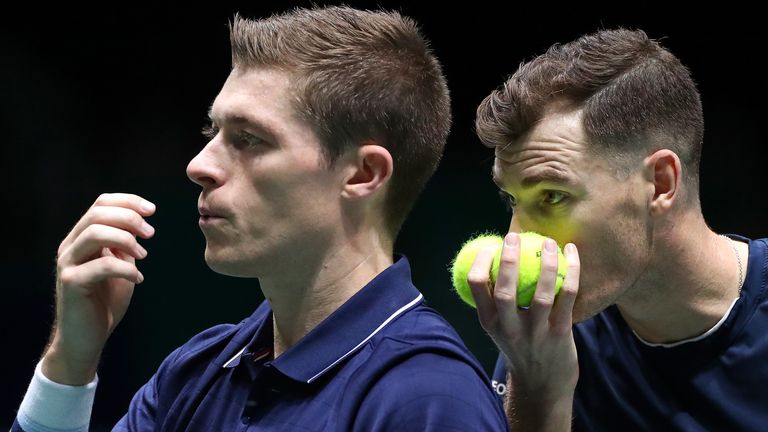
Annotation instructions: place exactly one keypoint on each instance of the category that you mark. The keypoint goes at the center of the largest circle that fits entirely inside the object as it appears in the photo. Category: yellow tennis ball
(466, 256)
(530, 265)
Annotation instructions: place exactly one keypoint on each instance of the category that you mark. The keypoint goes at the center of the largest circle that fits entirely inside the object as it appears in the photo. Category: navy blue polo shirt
(718, 382)
(382, 361)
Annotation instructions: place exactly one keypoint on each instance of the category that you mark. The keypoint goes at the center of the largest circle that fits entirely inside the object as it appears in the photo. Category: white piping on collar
(381, 326)
(234, 357)
(693, 339)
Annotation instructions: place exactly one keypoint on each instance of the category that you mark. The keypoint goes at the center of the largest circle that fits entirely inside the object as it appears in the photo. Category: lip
(209, 216)
(205, 211)
(208, 220)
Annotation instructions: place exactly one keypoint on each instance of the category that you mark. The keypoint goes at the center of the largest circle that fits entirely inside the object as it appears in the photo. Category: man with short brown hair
(324, 133)
(597, 146)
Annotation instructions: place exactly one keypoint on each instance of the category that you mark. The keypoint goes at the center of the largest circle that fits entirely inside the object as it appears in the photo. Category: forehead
(258, 97)
(554, 150)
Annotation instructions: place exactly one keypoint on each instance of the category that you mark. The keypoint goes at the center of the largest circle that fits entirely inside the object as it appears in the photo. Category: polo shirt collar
(389, 295)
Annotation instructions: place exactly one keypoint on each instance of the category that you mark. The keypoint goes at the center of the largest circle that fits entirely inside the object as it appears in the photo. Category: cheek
(603, 274)
(613, 250)
(560, 229)
(565, 231)
(271, 190)
(297, 199)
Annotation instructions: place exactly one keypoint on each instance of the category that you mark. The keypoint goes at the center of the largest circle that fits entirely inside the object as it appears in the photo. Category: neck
(301, 300)
(690, 284)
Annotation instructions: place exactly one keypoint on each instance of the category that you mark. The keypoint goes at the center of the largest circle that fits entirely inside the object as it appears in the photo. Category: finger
(561, 318)
(97, 237)
(119, 254)
(118, 217)
(505, 291)
(544, 297)
(478, 279)
(131, 201)
(97, 214)
(100, 270)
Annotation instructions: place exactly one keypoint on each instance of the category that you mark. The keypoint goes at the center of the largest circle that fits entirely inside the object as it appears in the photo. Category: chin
(583, 312)
(590, 302)
(228, 266)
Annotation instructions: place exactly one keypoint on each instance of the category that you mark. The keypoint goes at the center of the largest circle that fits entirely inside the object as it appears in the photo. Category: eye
(240, 140)
(245, 139)
(554, 198)
(509, 201)
(210, 131)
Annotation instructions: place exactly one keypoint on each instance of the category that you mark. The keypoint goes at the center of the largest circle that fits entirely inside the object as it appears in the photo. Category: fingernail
(140, 278)
(549, 245)
(147, 228)
(147, 206)
(511, 240)
(570, 248)
(142, 251)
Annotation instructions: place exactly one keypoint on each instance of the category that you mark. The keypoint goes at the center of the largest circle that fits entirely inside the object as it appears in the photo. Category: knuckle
(92, 232)
(543, 301)
(510, 259)
(66, 276)
(570, 290)
(109, 266)
(94, 213)
(477, 278)
(549, 266)
(134, 219)
(102, 199)
(504, 296)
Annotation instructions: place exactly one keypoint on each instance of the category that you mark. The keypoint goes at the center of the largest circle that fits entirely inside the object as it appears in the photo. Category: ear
(664, 171)
(371, 169)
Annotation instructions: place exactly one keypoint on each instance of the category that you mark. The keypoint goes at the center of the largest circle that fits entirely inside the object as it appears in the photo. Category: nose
(206, 169)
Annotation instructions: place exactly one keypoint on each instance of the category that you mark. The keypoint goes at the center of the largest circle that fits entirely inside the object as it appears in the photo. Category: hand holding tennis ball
(530, 265)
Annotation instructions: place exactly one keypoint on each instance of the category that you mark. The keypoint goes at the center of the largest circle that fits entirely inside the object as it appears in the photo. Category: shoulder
(206, 338)
(431, 391)
(213, 341)
(420, 375)
(214, 344)
(422, 333)
(423, 325)
(184, 370)
(757, 271)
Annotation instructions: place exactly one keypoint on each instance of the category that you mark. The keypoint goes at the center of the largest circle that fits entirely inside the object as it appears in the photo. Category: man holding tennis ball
(597, 145)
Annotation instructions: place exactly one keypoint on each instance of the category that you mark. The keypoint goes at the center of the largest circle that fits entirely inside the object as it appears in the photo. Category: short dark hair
(636, 97)
(359, 76)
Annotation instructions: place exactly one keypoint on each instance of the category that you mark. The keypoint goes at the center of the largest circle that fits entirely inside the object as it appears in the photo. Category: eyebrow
(547, 175)
(239, 119)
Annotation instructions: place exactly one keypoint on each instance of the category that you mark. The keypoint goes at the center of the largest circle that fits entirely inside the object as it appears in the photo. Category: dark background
(112, 99)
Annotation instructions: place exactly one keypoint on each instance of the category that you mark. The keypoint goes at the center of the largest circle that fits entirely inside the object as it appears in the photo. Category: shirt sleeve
(52, 407)
(145, 412)
(142, 413)
(499, 378)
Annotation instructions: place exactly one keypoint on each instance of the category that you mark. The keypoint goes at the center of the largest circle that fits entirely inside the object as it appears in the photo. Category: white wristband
(52, 407)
